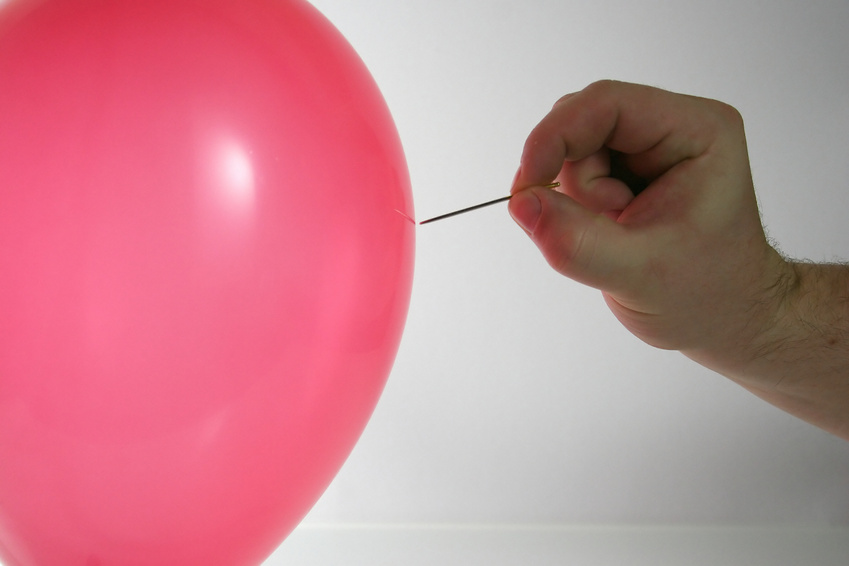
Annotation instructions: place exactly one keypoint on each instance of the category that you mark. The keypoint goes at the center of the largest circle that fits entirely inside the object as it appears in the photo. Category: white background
(516, 397)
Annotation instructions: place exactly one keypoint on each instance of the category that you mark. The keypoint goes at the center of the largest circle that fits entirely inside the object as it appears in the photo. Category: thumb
(582, 245)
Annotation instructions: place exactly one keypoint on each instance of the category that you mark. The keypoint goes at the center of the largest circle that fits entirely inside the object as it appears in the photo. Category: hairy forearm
(799, 362)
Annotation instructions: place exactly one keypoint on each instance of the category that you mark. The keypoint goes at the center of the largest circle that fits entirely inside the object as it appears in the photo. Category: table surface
(446, 545)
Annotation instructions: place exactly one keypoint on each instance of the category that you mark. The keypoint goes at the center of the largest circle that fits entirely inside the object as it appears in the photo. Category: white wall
(516, 397)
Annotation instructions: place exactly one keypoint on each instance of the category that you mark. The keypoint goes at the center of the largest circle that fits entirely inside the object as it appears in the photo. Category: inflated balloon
(205, 268)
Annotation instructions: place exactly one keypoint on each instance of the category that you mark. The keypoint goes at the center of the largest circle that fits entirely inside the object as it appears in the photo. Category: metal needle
(477, 206)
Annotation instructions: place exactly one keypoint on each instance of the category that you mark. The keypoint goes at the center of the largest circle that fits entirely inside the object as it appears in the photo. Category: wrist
(778, 330)
(802, 363)
(765, 322)
(799, 331)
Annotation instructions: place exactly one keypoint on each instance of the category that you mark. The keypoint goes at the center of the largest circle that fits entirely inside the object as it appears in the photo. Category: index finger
(654, 129)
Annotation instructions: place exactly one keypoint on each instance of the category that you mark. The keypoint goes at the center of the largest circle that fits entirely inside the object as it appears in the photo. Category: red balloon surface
(205, 269)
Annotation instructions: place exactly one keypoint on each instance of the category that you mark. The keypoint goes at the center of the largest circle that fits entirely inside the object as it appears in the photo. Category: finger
(657, 127)
(587, 247)
(589, 183)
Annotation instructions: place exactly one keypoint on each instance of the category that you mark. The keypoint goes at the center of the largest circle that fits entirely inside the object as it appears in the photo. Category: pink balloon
(205, 269)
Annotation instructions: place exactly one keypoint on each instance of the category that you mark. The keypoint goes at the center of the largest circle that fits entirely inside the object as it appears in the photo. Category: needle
(477, 206)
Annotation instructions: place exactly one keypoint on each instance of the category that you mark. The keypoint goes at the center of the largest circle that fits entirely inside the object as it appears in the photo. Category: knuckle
(563, 99)
(603, 85)
(727, 115)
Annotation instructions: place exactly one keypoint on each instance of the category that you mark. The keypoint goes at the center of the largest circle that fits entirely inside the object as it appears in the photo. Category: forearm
(799, 361)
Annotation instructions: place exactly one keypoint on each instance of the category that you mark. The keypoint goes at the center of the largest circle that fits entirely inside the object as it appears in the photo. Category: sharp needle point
(477, 206)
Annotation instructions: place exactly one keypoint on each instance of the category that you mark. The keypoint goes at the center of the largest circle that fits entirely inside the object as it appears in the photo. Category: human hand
(685, 263)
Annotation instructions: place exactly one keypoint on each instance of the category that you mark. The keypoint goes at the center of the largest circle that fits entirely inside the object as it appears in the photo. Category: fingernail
(525, 208)
(515, 179)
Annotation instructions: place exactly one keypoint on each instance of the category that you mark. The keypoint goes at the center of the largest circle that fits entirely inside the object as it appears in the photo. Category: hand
(657, 209)
(685, 263)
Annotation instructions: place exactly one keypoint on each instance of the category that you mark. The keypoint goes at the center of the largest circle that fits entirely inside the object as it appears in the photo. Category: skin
(685, 263)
